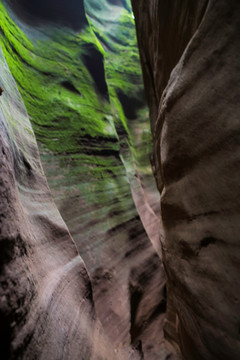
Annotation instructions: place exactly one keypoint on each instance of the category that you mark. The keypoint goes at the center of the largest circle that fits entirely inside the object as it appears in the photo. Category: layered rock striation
(82, 87)
(46, 307)
(190, 59)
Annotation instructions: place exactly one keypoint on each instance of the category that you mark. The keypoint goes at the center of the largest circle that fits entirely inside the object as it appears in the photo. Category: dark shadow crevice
(94, 62)
(69, 13)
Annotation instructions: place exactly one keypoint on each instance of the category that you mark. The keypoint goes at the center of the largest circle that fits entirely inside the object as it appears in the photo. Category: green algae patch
(89, 121)
(66, 110)
(57, 89)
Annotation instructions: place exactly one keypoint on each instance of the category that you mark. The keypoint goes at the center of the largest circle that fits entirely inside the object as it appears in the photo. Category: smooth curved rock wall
(96, 159)
(195, 122)
(46, 306)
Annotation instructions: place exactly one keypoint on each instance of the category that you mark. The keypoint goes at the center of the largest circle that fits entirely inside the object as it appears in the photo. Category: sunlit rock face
(84, 94)
(190, 58)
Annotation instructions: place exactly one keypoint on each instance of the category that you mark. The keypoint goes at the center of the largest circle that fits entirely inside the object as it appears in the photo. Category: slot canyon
(119, 179)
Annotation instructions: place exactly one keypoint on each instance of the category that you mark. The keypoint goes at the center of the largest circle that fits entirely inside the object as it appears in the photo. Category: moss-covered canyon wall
(82, 87)
(82, 255)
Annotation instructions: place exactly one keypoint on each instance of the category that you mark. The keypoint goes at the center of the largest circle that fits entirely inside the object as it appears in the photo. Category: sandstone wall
(46, 307)
(83, 91)
(190, 58)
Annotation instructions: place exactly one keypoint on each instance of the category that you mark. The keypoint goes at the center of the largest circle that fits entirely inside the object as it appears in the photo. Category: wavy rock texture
(47, 310)
(83, 91)
(195, 123)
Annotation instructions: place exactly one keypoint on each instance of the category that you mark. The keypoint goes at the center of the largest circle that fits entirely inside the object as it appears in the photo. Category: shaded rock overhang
(69, 13)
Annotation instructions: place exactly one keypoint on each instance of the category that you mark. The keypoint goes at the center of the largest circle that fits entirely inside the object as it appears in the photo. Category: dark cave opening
(130, 104)
(135, 298)
(94, 62)
(69, 13)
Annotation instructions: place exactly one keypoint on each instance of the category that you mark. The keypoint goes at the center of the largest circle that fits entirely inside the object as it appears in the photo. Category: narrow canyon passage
(82, 87)
(104, 106)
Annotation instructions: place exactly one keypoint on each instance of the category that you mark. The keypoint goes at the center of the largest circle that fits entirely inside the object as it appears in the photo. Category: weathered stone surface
(190, 56)
(79, 89)
(46, 306)
(195, 123)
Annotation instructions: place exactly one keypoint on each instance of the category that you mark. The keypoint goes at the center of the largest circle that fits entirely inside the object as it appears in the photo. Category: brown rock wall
(195, 123)
(46, 305)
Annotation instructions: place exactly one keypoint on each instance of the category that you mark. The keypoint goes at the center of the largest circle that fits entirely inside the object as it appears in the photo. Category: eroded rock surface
(195, 123)
(79, 88)
(46, 307)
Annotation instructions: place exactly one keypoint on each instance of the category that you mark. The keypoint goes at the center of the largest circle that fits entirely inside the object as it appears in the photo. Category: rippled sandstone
(82, 87)
(190, 58)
